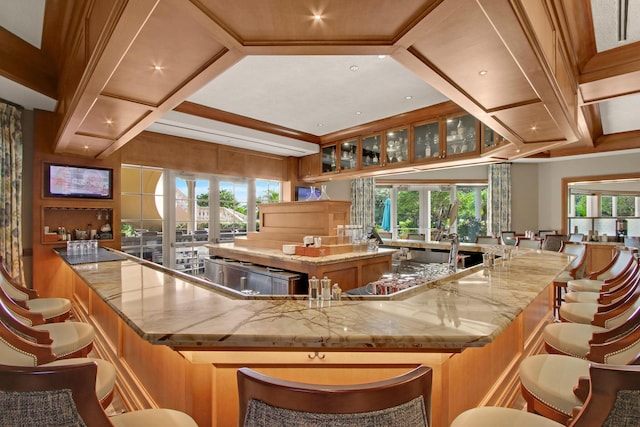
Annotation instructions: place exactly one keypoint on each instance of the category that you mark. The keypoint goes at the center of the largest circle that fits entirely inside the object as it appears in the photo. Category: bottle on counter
(336, 293)
(326, 288)
(313, 288)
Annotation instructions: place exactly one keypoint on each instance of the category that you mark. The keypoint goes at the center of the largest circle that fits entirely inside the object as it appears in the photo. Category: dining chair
(611, 401)
(487, 240)
(532, 243)
(64, 395)
(543, 233)
(553, 242)
(576, 237)
(267, 401)
(51, 309)
(508, 237)
(602, 279)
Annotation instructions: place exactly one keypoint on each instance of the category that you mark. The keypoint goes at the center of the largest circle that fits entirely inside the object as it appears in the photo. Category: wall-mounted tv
(77, 181)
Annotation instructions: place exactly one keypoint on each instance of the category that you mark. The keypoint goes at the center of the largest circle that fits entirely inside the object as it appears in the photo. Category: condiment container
(313, 288)
(326, 288)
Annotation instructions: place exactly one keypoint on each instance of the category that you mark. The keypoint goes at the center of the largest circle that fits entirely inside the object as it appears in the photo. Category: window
(419, 211)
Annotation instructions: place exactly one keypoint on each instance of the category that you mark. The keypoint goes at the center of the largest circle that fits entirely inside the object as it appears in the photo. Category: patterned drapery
(363, 201)
(11, 185)
(499, 198)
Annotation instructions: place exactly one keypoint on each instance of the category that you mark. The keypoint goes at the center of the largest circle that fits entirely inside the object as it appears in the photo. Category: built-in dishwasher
(243, 276)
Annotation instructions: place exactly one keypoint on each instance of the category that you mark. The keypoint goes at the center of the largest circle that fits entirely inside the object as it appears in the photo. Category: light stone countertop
(165, 307)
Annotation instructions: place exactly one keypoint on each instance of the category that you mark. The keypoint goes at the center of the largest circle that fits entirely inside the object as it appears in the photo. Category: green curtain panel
(363, 201)
(499, 198)
(11, 184)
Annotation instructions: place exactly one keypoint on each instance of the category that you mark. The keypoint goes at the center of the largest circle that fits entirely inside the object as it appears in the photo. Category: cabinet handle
(316, 355)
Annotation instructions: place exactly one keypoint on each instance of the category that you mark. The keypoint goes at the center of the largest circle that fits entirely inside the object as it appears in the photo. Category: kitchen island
(177, 341)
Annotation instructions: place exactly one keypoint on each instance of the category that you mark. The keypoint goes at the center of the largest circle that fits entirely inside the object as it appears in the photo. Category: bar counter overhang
(472, 329)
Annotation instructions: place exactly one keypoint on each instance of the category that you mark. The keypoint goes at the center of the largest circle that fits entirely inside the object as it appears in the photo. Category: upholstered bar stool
(611, 401)
(17, 351)
(67, 339)
(574, 339)
(63, 395)
(51, 309)
(585, 312)
(575, 270)
(548, 380)
(603, 278)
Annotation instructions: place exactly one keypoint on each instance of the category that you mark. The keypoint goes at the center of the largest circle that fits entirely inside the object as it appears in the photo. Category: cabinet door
(461, 135)
(397, 146)
(372, 151)
(426, 141)
(491, 139)
(329, 158)
(349, 155)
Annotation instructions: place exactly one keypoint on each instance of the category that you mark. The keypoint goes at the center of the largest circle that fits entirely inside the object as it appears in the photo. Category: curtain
(363, 201)
(499, 215)
(11, 186)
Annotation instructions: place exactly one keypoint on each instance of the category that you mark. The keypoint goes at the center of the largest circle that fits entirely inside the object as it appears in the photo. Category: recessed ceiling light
(354, 68)
(483, 72)
(408, 97)
(358, 113)
(158, 68)
(85, 147)
(534, 128)
(320, 125)
(382, 56)
(317, 17)
(109, 122)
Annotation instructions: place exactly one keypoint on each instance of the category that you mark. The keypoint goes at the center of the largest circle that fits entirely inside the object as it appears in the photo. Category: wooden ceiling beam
(27, 65)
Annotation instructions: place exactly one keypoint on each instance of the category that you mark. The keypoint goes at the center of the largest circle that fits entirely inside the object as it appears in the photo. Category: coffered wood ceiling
(131, 62)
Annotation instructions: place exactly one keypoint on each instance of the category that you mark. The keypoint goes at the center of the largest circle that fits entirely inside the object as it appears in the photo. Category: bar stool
(51, 309)
(608, 400)
(603, 278)
(575, 270)
(574, 339)
(63, 395)
(548, 380)
(18, 351)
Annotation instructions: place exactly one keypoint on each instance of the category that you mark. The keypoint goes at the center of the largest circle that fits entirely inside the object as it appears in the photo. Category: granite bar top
(102, 255)
(230, 250)
(469, 310)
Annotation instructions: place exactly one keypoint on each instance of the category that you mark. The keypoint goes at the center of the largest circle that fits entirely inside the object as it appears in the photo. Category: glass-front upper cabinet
(461, 135)
(372, 151)
(397, 145)
(491, 138)
(349, 155)
(329, 158)
(426, 141)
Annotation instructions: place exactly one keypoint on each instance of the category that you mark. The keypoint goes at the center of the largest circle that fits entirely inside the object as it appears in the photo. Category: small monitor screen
(76, 181)
(303, 193)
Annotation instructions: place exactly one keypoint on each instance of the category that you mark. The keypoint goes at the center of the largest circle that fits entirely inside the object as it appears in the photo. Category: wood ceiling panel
(173, 39)
(109, 118)
(532, 123)
(255, 21)
(460, 42)
(84, 145)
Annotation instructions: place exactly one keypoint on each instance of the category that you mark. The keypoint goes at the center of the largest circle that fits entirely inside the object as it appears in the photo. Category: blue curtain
(499, 200)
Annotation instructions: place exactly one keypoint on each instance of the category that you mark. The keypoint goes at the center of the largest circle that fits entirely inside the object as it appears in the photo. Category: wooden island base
(202, 382)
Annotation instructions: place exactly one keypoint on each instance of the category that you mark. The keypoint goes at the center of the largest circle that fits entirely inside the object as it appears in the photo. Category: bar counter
(150, 320)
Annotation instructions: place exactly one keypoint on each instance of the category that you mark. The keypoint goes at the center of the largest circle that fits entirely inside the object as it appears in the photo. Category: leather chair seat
(49, 307)
(590, 297)
(68, 337)
(578, 312)
(501, 417)
(105, 379)
(550, 378)
(153, 417)
(570, 338)
(585, 285)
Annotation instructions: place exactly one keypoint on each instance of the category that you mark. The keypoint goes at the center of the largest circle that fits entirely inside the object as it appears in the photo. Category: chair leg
(559, 288)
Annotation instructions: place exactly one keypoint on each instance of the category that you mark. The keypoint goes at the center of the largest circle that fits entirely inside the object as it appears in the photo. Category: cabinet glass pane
(397, 146)
(349, 155)
(491, 137)
(461, 135)
(426, 141)
(371, 151)
(329, 159)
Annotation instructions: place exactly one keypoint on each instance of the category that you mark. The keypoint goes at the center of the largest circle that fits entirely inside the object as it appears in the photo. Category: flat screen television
(77, 181)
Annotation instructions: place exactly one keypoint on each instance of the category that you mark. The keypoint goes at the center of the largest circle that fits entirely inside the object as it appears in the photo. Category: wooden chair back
(524, 242)
(45, 387)
(613, 397)
(579, 250)
(336, 400)
(487, 240)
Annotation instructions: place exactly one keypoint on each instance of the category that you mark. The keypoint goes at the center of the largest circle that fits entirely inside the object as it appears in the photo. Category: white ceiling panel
(620, 114)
